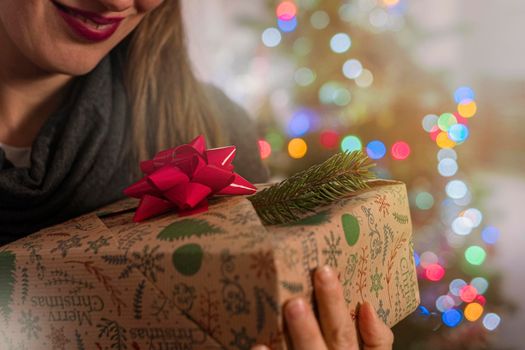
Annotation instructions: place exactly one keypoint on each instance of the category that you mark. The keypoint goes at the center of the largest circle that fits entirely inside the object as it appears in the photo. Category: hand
(337, 330)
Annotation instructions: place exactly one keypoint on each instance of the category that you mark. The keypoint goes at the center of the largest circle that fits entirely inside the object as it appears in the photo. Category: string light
(400, 150)
(286, 10)
(376, 149)
(351, 143)
(340, 43)
(297, 148)
(265, 149)
(271, 37)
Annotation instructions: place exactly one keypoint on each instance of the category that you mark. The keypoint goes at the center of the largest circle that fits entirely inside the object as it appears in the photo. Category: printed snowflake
(241, 340)
(376, 283)
(29, 324)
(65, 245)
(332, 251)
(383, 204)
(148, 263)
(58, 339)
(96, 245)
(262, 264)
(382, 313)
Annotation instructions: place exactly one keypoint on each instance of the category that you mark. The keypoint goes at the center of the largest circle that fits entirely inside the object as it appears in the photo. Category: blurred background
(434, 92)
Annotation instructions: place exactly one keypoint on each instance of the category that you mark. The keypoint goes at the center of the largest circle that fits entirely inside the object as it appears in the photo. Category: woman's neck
(28, 95)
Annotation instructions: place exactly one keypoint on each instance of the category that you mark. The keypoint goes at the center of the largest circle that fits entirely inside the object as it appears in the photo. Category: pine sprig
(338, 177)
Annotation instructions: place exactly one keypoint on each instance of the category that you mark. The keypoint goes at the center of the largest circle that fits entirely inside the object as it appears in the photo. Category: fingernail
(295, 308)
(326, 274)
(260, 347)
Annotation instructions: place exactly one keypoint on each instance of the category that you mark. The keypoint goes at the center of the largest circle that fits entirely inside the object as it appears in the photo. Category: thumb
(375, 334)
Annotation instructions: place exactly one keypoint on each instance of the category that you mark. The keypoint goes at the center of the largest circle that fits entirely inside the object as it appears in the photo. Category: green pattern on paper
(188, 259)
(188, 228)
(350, 228)
(313, 220)
(402, 219)
(376, 283)
(7, 282)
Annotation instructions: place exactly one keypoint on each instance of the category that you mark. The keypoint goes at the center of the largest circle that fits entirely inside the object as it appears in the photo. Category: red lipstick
(88, 25)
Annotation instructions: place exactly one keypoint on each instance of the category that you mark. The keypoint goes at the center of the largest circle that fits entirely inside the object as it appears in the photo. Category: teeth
(87, 21)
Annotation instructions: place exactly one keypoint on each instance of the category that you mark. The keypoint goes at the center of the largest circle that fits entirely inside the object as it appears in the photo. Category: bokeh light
(458, 133)
(446, 120)
(329, 139)
(480, 299)
(429, 122)
(351, 143)
(473, 312)
(467, 108)
(265, 149)
(444, 303)
(491, 321)
(475, 255)
(490, 235)
(447, 153)
(342, 97)
(464, 93)
(462, 226)
(452, 317)
(301, 122)
(365, 79)
(297, 148)
(447, 167)
(332, 92)
(428, 258)
(276, 140)
(304, 76)
(352, 68)
(340, 43)
(468, 293)
(320, 20)
(390, 3)
(400, 150)
(271, 37)
(287, 26)
(456, 189)
(474, 215)
(376, 149)
(424, 201)
(286, 10)
(481, 284)
(443, 141)
(434, 272)
(456, 285)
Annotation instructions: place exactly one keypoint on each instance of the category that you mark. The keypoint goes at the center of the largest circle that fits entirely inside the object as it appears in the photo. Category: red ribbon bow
(184, 177)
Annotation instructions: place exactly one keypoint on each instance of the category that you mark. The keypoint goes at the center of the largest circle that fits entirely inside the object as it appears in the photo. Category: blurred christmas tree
(342, 79)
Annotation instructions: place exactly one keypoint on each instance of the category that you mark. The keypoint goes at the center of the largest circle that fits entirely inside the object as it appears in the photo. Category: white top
(19, 156)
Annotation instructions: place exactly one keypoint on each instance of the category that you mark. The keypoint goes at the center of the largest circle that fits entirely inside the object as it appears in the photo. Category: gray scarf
(78, 161)
(81, 160)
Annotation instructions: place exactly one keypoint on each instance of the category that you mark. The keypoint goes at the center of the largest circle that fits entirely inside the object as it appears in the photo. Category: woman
(90, 87)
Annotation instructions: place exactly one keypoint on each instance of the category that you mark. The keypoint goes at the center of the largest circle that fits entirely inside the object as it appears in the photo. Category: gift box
(214, 280)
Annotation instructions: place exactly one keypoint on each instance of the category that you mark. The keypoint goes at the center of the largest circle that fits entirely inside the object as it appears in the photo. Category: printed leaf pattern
(188, 228)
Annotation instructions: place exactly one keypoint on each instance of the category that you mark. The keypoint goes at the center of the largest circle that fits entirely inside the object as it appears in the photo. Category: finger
(302, 325)
(260, 347)
(374, 332)
(338, 327)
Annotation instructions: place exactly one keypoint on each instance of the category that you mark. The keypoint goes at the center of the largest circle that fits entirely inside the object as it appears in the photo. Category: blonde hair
(168, 105)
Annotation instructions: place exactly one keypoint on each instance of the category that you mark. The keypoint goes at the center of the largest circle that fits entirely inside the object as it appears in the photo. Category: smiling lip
(88, 25)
